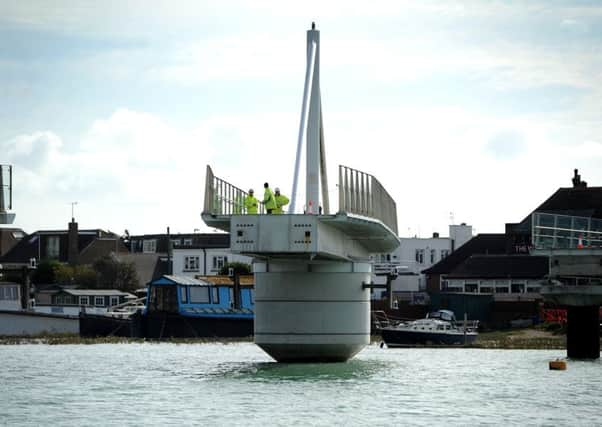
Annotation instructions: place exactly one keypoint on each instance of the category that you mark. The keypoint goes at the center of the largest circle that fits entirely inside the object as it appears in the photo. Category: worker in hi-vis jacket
(269, 201)
(251, 203)
(281, 200)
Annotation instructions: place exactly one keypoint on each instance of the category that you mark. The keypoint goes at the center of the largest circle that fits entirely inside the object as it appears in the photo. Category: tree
(45, 272)
(239, 267)
(82, 275)
(114, 274)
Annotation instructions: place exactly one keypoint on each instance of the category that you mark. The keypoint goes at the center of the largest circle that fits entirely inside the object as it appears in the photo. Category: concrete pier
(583, 332)
(583, 319)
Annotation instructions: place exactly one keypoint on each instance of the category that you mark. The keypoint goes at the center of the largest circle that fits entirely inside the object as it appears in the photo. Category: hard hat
(277, 190)
(250, 190)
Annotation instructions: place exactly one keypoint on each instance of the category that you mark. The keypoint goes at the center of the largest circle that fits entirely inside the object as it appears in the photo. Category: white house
(203, 261)
(414, 255)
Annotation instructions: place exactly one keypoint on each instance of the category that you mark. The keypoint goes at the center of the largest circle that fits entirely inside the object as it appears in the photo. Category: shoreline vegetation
(518, 339)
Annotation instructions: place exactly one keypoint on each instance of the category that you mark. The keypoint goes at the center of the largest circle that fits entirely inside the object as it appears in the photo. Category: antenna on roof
(73, 211)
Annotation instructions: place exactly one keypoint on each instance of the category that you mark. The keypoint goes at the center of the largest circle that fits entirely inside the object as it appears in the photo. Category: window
(114, 300)
(99, 301)
(432, 256)
(518, 288)
(444, 253)
(52, 247)
(183, 295)
(471, 287)
(501, 289)
(149, 246)
(191, 263)
(219, 261)
(420, 256)
(187, 242)
(8, 293)
(199, 294)
(83, 300)
(215, 295)
(486, 290)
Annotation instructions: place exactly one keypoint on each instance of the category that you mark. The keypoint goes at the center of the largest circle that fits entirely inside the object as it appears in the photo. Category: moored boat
(438, 328)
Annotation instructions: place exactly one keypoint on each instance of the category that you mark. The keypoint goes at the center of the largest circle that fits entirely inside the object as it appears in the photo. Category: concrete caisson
(312, 312)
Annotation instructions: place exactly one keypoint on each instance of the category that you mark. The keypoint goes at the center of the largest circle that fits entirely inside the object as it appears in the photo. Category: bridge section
(310, 302)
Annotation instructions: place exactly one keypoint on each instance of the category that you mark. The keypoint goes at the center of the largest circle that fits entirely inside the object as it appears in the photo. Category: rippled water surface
(238, 384)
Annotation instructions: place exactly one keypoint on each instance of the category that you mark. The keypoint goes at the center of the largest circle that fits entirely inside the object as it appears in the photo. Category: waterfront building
(72, 246)
(500, 274)
(413, 255)
(188, 254)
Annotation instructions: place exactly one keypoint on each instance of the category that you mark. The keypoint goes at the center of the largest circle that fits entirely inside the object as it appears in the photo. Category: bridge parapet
(361, 193)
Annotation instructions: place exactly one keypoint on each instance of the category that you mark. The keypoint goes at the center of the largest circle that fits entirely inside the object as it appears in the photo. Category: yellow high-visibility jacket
(281, 200)
(251, 204)
(268, 199)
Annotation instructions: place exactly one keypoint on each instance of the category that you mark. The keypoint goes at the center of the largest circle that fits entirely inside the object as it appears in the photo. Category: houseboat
(184, 307)
(212, 306)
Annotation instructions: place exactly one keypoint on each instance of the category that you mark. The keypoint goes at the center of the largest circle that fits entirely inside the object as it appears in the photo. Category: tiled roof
(501, 266)
(96, 292)
(246, 280)
(480, 244)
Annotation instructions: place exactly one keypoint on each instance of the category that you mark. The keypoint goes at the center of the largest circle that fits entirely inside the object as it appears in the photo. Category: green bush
(239, 267)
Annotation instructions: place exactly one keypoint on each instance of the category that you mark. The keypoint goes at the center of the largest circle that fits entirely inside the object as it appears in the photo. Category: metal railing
(361, 193)
(551, 231)
(223, 198)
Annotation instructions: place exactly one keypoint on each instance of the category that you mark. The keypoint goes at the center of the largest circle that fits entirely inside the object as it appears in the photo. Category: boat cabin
(206, 296)
(446, 315)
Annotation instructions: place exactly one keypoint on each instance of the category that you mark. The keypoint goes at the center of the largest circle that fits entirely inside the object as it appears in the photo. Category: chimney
(577, 183)
(435, 235)
(73, 244)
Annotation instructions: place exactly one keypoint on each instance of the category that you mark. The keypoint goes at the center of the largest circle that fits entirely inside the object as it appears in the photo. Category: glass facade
(551, 231)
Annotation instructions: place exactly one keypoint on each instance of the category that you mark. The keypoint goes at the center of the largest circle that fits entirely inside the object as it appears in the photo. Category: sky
(471, 112)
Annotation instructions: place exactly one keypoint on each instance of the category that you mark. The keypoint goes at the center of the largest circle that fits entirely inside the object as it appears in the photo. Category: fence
(360, 193)
(223, 198)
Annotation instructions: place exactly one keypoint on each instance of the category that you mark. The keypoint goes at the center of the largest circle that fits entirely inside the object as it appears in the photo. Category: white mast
(310, 125)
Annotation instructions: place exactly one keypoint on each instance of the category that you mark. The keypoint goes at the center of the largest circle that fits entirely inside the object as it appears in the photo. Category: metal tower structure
(312, 270)
(6, 194)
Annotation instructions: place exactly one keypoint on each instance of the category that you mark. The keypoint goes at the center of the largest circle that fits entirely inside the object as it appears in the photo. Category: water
(238, 384)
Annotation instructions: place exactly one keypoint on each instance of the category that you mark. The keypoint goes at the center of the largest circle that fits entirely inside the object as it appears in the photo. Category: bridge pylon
(312, 269)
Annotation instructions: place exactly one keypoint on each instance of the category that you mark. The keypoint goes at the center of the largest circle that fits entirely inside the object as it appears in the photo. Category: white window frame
(84, 300)
(149, 246)
(420, 256)
(191, 263)
(219, 261)
(199, 294)
(96, 299)
(113, 300)
(53, 247)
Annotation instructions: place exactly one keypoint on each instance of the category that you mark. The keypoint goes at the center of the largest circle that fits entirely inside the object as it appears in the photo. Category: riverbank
(524, 339)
